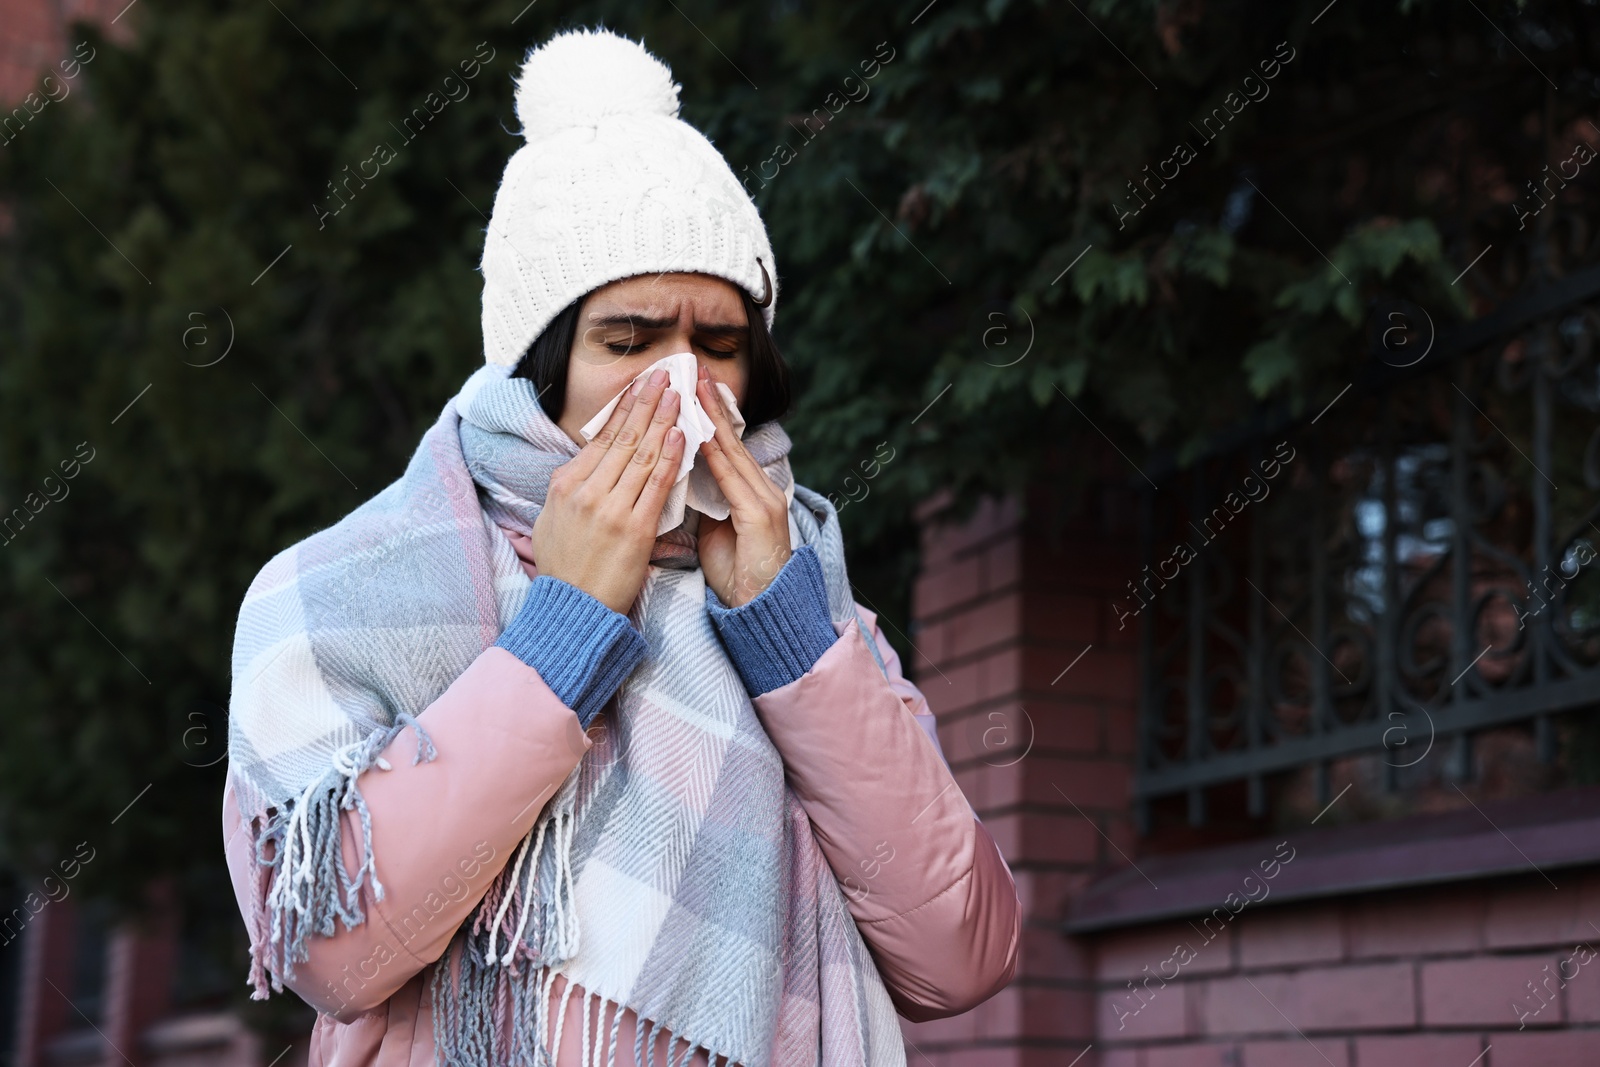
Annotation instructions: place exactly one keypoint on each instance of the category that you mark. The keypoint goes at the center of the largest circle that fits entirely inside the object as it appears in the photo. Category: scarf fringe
(470, 1029)
(526, 922)
(508, 910)
(313, 889)
(492, 989)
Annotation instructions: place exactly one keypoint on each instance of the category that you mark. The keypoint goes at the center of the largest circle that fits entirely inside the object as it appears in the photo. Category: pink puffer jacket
(929, 890)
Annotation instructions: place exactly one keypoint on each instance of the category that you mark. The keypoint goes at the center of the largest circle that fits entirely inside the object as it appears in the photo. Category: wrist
(780, 633)
(588, 585)
(749, 584)
(581, 648)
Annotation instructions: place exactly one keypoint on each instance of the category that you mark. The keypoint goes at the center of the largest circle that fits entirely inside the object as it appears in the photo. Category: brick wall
(1042, 741)
(33, 37)
(43, 1012)
(1039, 733)
(140, 962)
(135, 1026)
(1406, 978)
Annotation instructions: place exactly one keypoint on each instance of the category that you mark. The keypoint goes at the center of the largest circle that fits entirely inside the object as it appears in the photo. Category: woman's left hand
(741, 554)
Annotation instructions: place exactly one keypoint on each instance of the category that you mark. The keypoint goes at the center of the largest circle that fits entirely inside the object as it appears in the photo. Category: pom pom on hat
(581, 77)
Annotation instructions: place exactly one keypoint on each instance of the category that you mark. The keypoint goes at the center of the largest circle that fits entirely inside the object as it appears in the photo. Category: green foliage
(957, 256)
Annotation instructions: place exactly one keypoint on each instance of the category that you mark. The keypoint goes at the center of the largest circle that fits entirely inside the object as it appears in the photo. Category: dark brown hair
(767, 395)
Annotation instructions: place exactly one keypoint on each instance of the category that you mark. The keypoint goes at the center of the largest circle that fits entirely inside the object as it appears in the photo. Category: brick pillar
(1035, 690)
(43, 1012)
(36, 38)
(140, 965)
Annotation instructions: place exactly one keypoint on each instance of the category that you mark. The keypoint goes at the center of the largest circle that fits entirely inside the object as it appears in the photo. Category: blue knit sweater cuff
(582, 649)
(781, 634)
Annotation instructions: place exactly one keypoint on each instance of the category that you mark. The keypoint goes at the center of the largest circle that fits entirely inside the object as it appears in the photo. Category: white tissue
(694, 487)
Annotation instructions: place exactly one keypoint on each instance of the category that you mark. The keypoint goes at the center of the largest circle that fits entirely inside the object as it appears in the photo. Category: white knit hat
(610, 184)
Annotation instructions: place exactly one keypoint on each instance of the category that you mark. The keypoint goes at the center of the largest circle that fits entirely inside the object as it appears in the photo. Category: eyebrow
(717, 329)
(641, 322)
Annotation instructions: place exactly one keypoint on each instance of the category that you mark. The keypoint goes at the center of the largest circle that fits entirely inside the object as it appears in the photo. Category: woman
(563, 749)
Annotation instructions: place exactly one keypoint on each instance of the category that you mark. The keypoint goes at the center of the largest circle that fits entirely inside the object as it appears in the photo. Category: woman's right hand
(598, 524)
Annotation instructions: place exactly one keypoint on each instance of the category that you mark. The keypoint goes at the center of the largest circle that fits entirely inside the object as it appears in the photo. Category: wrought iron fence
(1414, 564)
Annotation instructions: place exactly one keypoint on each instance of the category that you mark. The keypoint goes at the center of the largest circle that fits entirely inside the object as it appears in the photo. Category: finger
(632, 432)
(589, 457)
(644, 459)
(742, 496)
(654, 495)
(737, 453)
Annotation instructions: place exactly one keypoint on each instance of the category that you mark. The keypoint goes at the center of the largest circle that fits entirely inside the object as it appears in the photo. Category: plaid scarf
(673, 872)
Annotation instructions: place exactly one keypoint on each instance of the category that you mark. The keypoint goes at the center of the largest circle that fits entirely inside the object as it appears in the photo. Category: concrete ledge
(1529, 835)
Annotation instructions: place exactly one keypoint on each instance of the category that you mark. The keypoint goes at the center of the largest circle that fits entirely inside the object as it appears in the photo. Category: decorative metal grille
(1417, 563)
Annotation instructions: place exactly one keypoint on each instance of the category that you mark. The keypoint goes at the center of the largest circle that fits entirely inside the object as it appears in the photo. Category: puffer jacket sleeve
(930, 892)
(441, 830)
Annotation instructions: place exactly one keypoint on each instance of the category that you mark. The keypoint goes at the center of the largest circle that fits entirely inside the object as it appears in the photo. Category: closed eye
(721, 341)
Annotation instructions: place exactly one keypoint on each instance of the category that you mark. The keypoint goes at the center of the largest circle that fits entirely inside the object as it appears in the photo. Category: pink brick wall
(1421, 977)
(33, 37)
(1042, 751)
(140, 962)
(48, 943)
